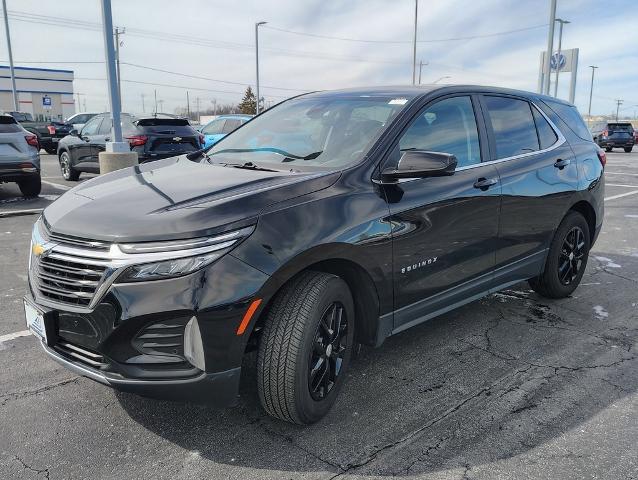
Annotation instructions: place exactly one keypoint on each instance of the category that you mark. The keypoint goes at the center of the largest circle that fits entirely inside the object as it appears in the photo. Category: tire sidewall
(311, 410)
(551, 269)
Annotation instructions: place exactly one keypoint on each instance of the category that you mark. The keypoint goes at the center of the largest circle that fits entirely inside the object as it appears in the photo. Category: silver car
(19, 157)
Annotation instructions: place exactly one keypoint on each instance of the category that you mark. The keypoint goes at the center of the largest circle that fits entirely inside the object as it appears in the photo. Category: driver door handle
(485, 183)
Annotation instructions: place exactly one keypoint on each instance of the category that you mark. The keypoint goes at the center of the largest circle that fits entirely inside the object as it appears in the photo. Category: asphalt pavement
(511, 386)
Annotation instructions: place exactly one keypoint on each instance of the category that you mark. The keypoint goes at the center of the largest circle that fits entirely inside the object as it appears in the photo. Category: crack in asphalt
(28, 467)
(28, 393)
(406, 438)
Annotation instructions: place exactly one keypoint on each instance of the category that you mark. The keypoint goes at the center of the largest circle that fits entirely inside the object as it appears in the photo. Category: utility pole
(188, 106)
(560, 41)
(550, 47)
(619, 102)
(421, 65)
(161, 103)
(13, 76)
(591, 92)
(155, 94)
(118, 32)
(84, 102)
(79, 105)
(197, 103)
(257, 62)
(416, 16)
(143, 109)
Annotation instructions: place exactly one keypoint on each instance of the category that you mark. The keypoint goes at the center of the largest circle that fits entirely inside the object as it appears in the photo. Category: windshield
(310, 131)
(22, 117)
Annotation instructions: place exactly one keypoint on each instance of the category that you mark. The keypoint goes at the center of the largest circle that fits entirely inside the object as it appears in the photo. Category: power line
(437, 40)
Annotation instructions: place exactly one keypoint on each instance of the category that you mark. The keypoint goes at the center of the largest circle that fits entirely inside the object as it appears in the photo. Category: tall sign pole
(111, 75)
(550, 47)
(416, 17)
(257, 64)
(591, 91)
(13, 77)
(560, 42)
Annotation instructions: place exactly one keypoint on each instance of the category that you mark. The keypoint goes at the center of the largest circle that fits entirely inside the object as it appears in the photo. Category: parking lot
(511, 386)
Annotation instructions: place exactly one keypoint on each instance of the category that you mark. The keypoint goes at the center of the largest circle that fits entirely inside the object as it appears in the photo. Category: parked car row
(48, 133)
(19, 157)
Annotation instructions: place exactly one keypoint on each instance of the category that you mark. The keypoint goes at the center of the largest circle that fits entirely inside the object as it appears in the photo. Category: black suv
(153, 138)
(332, 219)
(610, 135)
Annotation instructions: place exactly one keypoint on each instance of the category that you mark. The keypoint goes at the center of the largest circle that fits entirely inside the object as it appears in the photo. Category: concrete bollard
(111, 161)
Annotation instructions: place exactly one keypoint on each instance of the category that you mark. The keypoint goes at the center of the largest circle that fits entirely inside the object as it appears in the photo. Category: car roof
(415, 91)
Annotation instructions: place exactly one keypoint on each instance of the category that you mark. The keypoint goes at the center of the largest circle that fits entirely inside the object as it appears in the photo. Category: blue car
(217, 129)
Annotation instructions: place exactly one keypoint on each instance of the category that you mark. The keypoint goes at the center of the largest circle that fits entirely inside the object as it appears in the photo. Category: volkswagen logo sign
(558, 60)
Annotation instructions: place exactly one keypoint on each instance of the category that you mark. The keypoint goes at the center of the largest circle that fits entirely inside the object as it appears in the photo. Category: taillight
(602, 157)
(202, 140)
(51, 129)
(137, 140)
(33, 141)
(605, 133)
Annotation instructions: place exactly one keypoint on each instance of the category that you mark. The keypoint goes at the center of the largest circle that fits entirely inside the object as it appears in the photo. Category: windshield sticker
(398, 101)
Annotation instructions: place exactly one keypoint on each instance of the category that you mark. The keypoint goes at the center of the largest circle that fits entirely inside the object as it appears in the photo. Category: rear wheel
(608, 149)
(68, 172)
(566, 260)
(51, 150)
(305, 347)
(628, 149)
(31, 186)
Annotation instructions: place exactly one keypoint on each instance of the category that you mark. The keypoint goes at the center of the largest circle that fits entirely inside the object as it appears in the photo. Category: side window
(91, 127)
(546, 135)
(230, 125)
(570, 115)
(215, 127)
(448, 126)
(105, 127)
(513, 126)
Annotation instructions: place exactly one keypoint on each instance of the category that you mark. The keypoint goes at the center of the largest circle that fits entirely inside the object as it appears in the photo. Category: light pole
(560, 41)
(257, 62)
(442, 78)
(107, 24)
(591, 91)
(13, 77)
(421, 65)
(550, 47)
(416, 16)
(118, 32)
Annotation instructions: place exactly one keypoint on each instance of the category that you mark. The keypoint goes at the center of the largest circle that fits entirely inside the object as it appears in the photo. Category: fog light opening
(193, 348)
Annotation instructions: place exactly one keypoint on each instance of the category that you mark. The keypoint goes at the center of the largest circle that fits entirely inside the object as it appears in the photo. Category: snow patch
(600, 312)
(609, 263)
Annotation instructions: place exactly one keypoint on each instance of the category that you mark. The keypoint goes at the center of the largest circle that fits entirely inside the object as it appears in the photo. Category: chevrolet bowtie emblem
(37, 249)
(177, 139)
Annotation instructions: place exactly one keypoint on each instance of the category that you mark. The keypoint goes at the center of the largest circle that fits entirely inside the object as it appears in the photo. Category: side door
(98, 141)
(444, 228)
(538, 175)
(82, 152)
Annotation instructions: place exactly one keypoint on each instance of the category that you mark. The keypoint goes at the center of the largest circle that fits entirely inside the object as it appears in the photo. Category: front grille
(71, 241)
(81, 354)
(69, 280)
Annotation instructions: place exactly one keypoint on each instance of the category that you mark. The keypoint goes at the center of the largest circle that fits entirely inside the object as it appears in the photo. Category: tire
(608, 149)
(68, 172)
(558, 280)
(30, 187)
(51, 150)
(294, 338)
(628, 149)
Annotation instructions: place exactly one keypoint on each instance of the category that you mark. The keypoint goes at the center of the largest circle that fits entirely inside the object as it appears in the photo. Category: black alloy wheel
(327, 355)
(571, 256)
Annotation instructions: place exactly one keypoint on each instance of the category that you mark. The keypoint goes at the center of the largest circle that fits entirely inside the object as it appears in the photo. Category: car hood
(174, 198)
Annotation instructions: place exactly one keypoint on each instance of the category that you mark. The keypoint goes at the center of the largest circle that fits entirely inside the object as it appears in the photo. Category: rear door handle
(485, 183)
(107, 139)
(561, 163)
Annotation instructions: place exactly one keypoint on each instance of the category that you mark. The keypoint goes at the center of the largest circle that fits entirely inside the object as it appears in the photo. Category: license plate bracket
(39, 321)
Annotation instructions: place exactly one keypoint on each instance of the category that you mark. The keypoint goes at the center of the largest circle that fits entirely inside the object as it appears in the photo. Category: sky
(209, 44)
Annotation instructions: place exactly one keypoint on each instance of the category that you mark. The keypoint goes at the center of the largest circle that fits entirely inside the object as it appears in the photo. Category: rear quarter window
(570, 115)
(9, 125)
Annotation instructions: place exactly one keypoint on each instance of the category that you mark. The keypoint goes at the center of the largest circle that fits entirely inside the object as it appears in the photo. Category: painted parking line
(12, 336)
(15, 213)
(620, 185)
(57, 185)
(607, 172)
(614, 197)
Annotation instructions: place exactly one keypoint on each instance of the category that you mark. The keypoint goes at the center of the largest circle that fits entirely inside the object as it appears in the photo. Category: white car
(78, 120)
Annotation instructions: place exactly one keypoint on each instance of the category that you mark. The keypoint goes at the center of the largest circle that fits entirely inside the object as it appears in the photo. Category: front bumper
(218, 389)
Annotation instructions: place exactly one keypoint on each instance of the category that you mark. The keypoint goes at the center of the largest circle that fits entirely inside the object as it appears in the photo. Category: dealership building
(45, 93)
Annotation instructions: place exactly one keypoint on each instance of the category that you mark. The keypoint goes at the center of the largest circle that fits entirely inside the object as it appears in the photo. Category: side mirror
(74, 132)
(421, 164)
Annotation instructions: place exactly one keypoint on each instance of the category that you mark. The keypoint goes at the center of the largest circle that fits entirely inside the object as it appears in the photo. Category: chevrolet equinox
(330, 220)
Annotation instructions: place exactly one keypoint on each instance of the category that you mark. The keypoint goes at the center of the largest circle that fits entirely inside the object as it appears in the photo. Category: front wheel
(608, 149)
(566, 260)
(628, 149)
(305, 347)
(68, 172)
(30, 187)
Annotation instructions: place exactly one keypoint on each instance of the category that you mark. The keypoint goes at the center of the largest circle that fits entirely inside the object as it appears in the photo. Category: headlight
(158, 260)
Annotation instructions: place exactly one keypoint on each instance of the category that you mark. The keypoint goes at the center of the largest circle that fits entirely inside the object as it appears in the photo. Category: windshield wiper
(198, 154)
(249, 166)
(289, 157)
